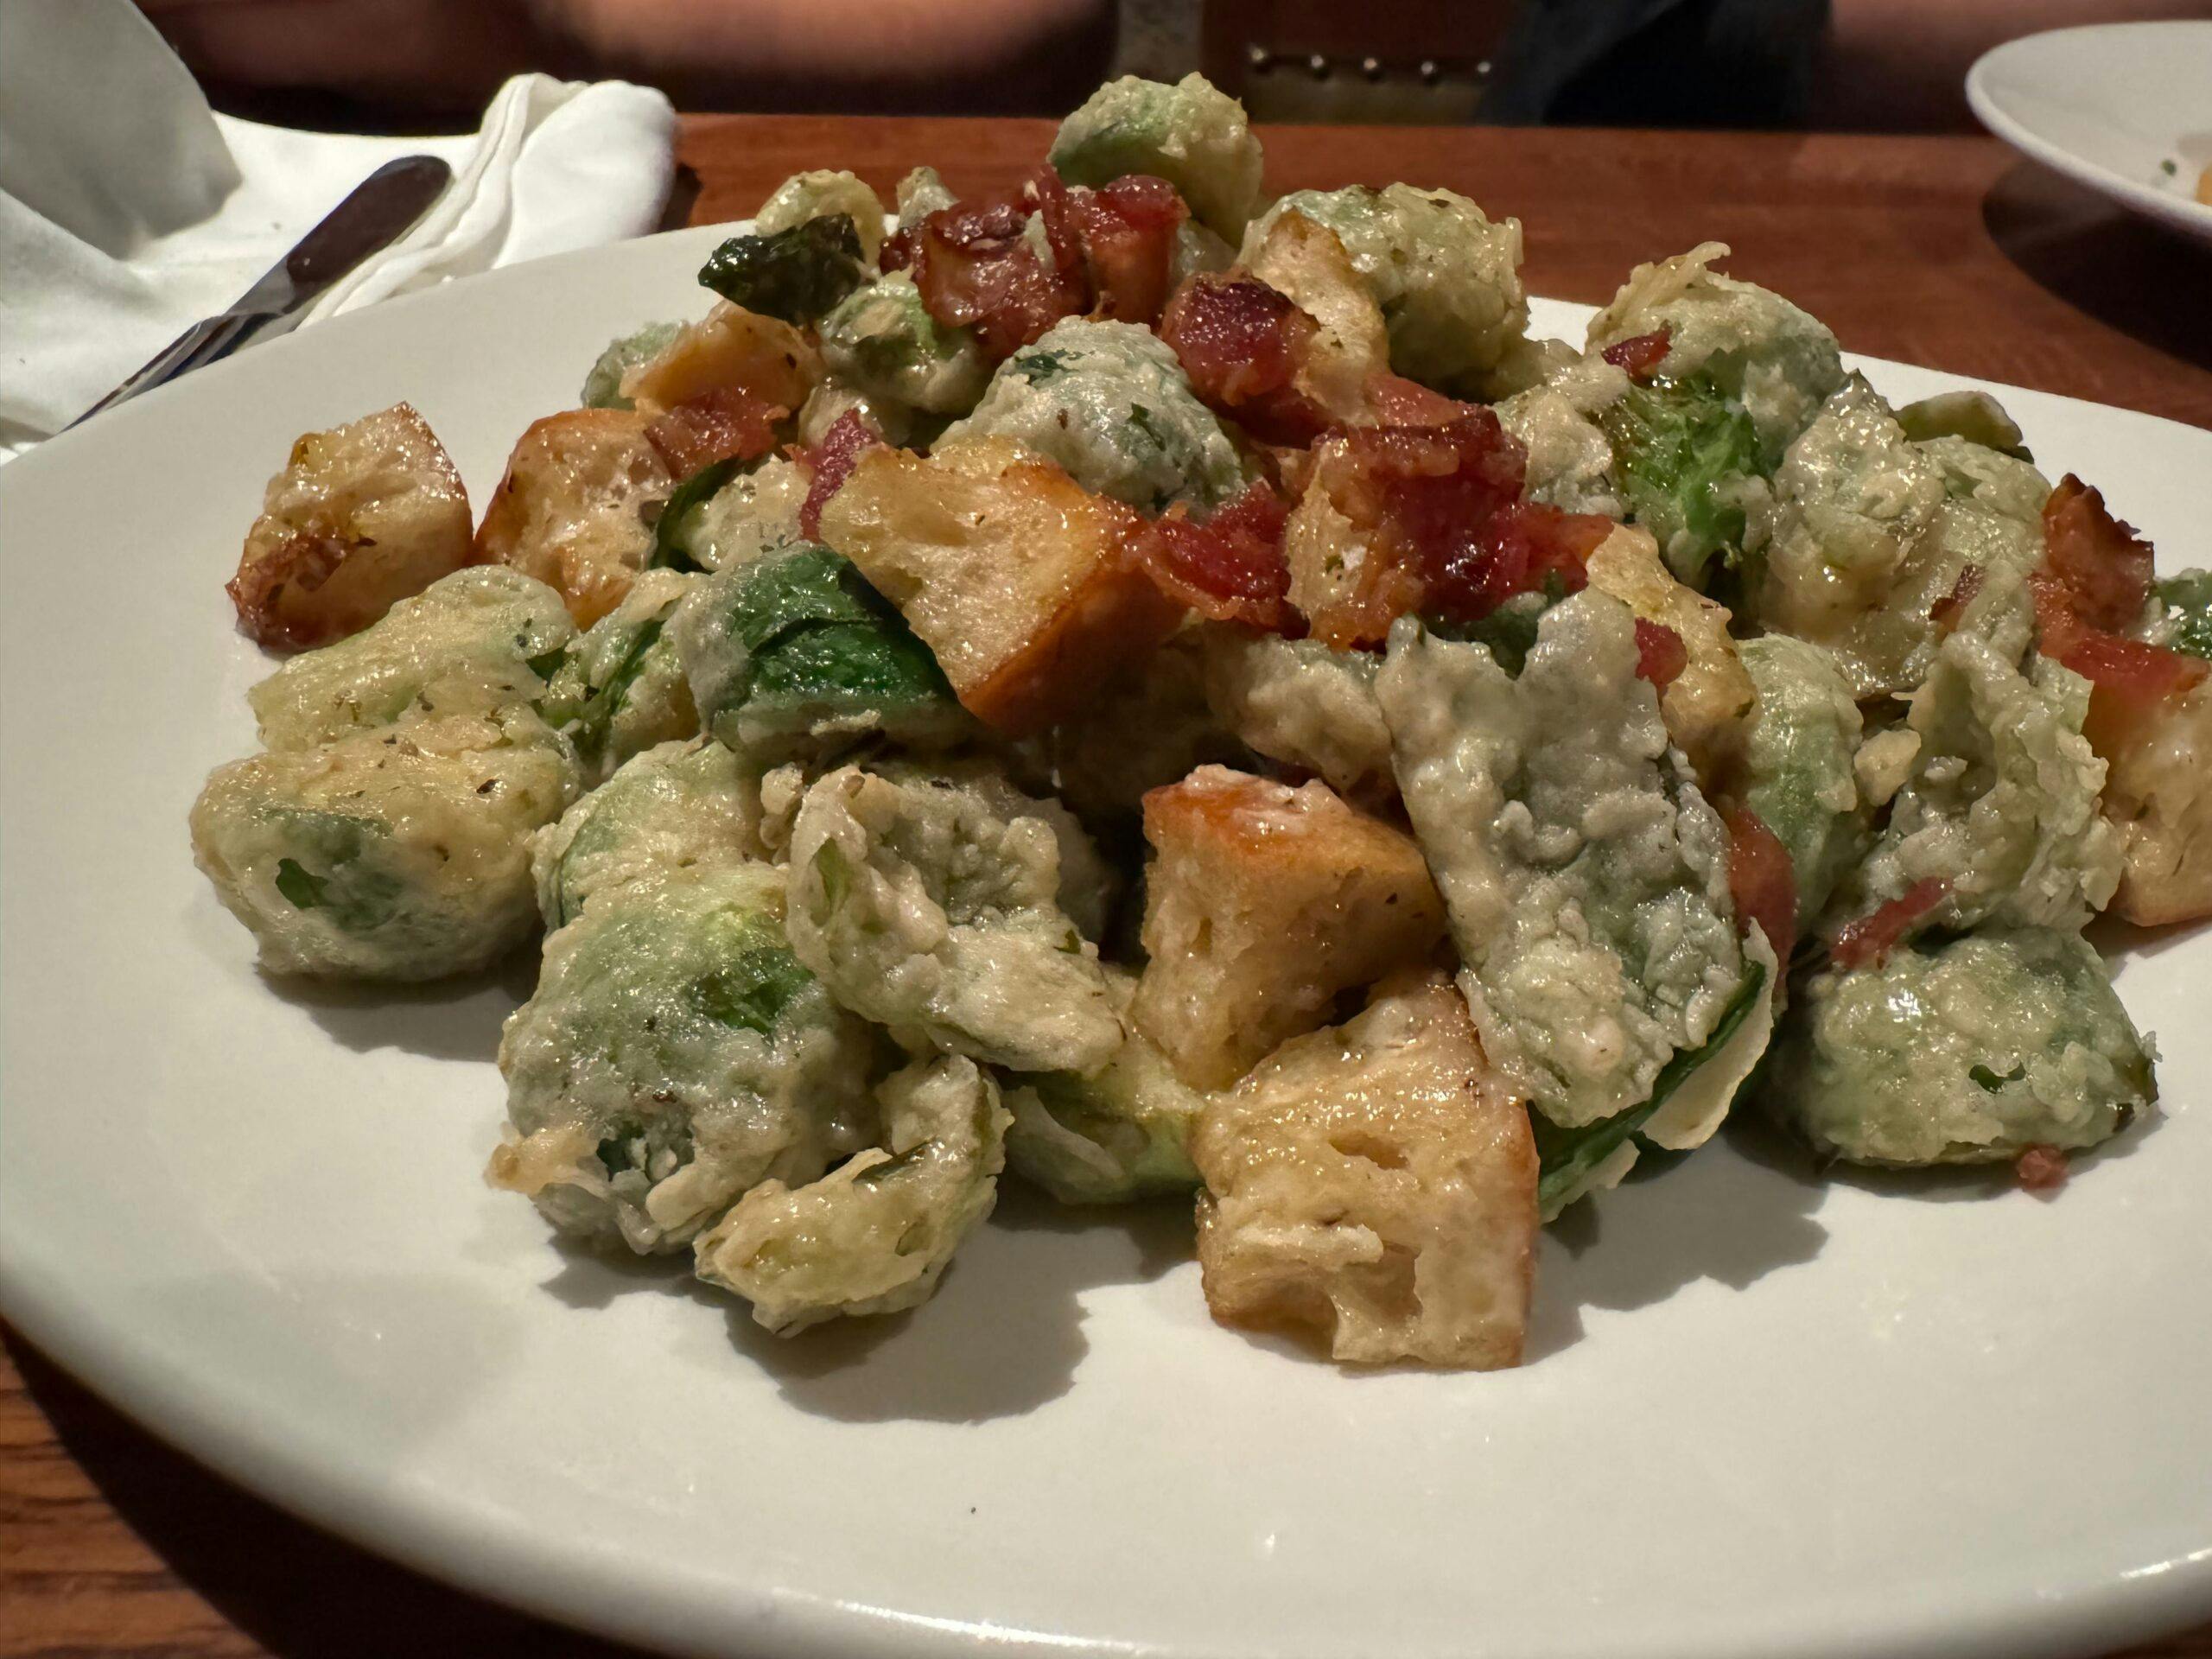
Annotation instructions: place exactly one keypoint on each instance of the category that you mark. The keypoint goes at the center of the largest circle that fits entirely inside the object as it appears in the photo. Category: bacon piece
(1231, 568)
(1660, 656)
(302, 562)
(830, 463)
(1242, 344)
(2101, 565)
(973, 270)
(1127, 231)
(1524, 548)
(1867, 942)
(1397, 401)
(716, 425)
(1640, 356)
(1946, 612)
(899, 249)
(1761, 878)
(2040, 1169)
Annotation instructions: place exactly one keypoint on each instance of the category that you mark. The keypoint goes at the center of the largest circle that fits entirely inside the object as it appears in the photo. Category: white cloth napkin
(129, 210)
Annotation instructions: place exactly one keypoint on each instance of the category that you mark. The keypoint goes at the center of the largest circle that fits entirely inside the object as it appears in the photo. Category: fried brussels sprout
(1796, 770)
(1585, 877)
(1968, 1052)
(670, 808)
(362, 516)
(883, 342)
(1191, 134)
(921, 193)
(1559, 422)
(1686, 459)
(2184, 620)
(603, 386)
(1763, 355)
(1448, 279)
(2001, 805)
(675, 1056)
(1297, 702)
(619, 688)
(1974, 416)
(823, 194)
(1709, 703)
(876, 1234)
(576, 505)
(395, 854)
(795, 274)
(796, 653)
(1369, 1184)
(754, 514)
(478, 640)
(1108, 402)
(1120, 1135)
(1144, 728)
(951, 908)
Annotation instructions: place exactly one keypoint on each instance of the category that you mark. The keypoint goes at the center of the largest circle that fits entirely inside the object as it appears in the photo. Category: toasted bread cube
(1307, 261)
(576, 509)
(1008, 570)
(728, 348)
(1263, 903)
(1708, 704)
(2158, 792)
(363, 516)
(1369, 1183)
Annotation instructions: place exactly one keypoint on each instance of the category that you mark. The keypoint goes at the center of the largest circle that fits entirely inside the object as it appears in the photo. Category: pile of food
(1170, 692)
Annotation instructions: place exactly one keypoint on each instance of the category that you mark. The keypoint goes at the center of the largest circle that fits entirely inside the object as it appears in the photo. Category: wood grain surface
(1946, 251)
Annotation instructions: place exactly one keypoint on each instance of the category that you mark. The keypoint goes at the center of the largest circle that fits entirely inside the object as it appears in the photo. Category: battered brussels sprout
(1108, 401)
(1796, 771)
(1585, 877)
(1687, 456)
(2001, 805)
(478, 640)
(1191, 134)
(796, 274)
(675, 1055)
(876, 1234)
(1570, 456)
(603, 386)
(1775, 362)
(1297, 702)
(1120, 1135)
(1968, 1052)
(797, 654)
(883, 342)
(752, 514)
(895, 423)
(921, 193)
(953, 909)
(820, 194)
(1974, 416)
(1147, 728)
(1447, 278)
(393, 854)
(2186, 613)
(620, 689)
(670, 808)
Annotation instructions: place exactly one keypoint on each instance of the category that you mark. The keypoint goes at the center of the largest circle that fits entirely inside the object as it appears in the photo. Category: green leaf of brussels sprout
(753, 990)
(548, 665)
(2187, 601)
(603, 386)
(302, 890)
(796, 274)
(682, 506)
(1676, 444)
(1037, 367)
(836, 877)
(1566, 1157)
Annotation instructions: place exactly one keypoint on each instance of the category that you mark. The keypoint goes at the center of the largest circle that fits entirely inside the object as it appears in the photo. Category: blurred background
(1845, 65)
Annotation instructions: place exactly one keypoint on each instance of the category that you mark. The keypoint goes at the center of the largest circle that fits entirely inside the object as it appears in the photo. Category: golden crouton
(1264, 903)
(728, 348)
(2158, 792)
(1012, 573)
(1307, 263)
(362, 516)
(1365, 1182)
(1709, 704)
(576, 509)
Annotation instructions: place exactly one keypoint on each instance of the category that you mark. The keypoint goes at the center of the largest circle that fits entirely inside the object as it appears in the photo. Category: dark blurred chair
(1386, 61)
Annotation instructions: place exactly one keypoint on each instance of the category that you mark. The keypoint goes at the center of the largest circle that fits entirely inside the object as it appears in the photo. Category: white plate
(2107, 106)
(1763, 1416)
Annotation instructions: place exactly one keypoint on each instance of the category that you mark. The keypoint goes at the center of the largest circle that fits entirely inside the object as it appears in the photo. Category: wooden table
(1946, 251)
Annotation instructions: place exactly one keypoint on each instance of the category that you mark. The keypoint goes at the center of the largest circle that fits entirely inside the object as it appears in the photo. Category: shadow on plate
(2128, 273)
(1003, 1336)
(446, 1020)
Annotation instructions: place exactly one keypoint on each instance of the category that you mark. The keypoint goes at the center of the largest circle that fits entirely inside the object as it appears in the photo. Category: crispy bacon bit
(1867, 942)
(2089, 594)
(1231, 568)
(1242, 343)
(830, 463)
(1660, 656)
(1639, 357)
(1946, 612)
(1524, 548)
(2040, 1169)
(899, 249)
(1761, 878)
(716, 425)
(1397, 401)
(1127, 230)
(973, 270)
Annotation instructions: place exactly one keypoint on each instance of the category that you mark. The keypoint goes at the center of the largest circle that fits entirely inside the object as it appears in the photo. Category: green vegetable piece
(1565, 1158)
(603, 386)
(302, 890)
(882, 341)
(1191, 134)
(752, 991)
(797, 274)
(2187, 602)
(1682, 452)
(1975, 416)
(680, 515)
